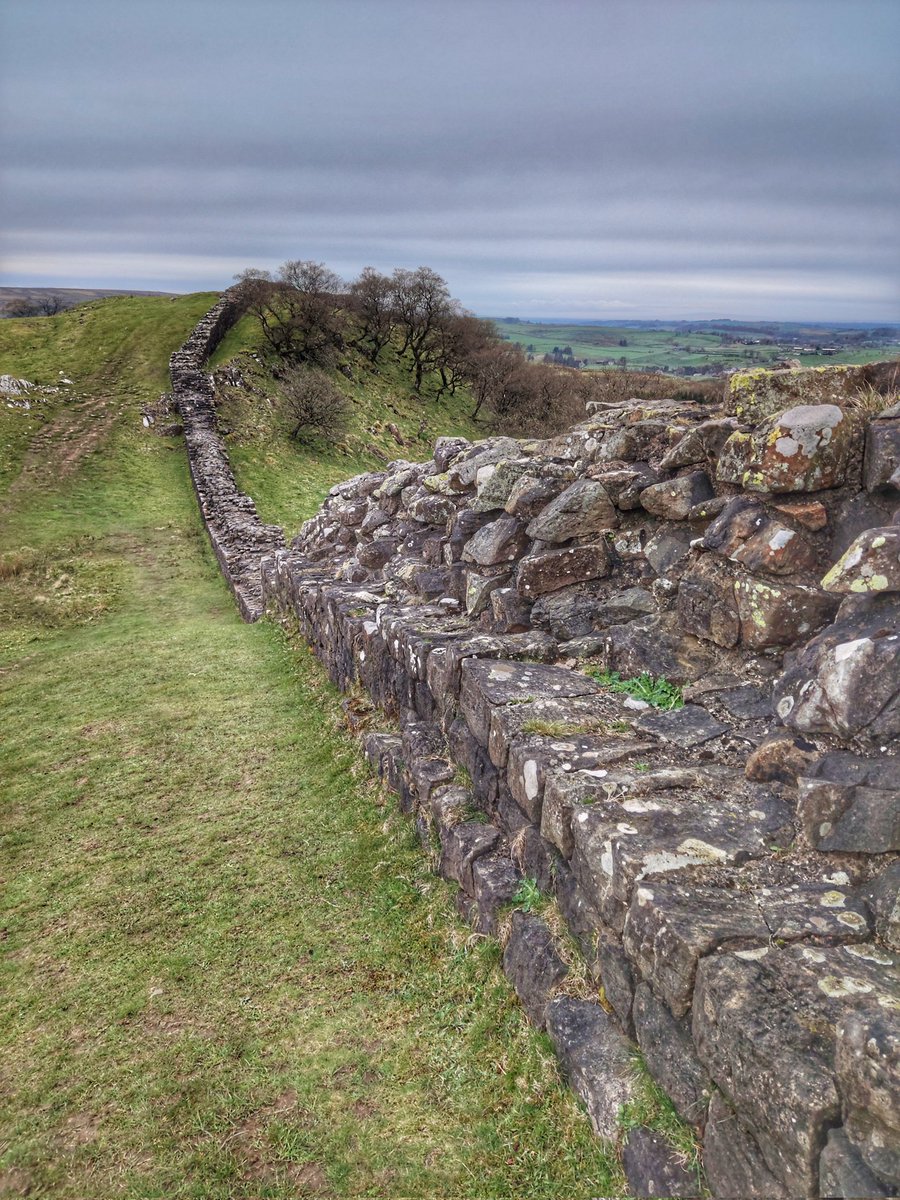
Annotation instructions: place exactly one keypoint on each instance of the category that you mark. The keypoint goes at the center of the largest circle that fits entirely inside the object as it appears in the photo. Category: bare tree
(299, 312)
(46, 305)
(456, 343)
(371, 302)
(314, 405)
(491, 371)
(422, 303)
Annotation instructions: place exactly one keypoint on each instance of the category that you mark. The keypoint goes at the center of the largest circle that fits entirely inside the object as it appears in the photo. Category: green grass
(529, 897)
(287, 479)
(225, 969)
(658, 692)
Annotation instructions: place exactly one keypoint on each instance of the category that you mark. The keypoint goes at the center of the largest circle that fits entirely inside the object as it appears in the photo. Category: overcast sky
(605, 158)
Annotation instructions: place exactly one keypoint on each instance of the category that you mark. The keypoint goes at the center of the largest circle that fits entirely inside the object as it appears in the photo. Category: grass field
(226, 971)
(672, 349)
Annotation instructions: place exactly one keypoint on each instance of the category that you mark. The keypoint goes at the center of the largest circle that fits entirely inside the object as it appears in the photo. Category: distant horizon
(535, 319)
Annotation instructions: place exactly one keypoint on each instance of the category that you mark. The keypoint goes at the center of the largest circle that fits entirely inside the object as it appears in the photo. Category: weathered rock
(779, 614)
(707, 606)
(846, 680)
(764, 1026)
(804, 449)
(652, 1168)
(489, 683)
(669, 1053)
(495, 882)
(674, 499)
(495, 484)
(779, 759)
(532, 964)
(870, 565)
(867, 1067)
(700, 444)
(499, 541)
(668, 547)
(670, 927)
(582, 510)
(531, 493)
(850, 803)
(595, 1057)
(480, 586)
(685, 727)
(882, 456)
(843, 1174)
(778, 550)
(757, 394)
(884, 899)
(541, 573)
(734, 1165)
(461, 846)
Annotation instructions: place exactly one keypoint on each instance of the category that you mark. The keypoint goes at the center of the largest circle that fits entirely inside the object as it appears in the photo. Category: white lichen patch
(839, 986)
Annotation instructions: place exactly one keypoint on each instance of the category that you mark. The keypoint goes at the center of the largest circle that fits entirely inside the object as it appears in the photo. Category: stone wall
(238, 536)
(727, 868)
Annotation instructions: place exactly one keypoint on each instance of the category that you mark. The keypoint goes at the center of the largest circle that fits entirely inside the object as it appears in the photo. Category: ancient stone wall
(238, 536)
(726, 867)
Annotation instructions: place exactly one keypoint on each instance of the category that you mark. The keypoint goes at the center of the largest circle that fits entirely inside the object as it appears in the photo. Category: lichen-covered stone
(846, 680)
(870, 566)
(805, 449)
(533, 965)
(652, 1168)
(595, 1057)
(673, 499)
(867, 1067)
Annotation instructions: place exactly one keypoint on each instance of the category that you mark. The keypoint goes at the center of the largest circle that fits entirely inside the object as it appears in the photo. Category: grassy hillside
(226, 971)
(288, 479)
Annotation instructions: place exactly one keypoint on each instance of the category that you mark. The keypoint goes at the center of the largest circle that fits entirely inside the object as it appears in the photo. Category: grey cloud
(602, 149)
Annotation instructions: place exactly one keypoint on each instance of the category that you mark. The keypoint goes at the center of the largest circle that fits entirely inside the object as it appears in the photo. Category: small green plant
(642, 767)
(658, 692)
(529, 897)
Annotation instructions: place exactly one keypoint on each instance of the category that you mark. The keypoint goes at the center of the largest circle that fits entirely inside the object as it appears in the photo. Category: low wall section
(238, 536)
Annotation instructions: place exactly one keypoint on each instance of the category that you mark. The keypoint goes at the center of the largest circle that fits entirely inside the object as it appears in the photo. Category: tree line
(309, 317)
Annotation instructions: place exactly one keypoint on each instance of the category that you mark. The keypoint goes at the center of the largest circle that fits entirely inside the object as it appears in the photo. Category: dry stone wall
(239, 538)
(728, 868)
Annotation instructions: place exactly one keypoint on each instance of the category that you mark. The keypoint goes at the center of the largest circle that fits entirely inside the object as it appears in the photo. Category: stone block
(595, 1058)
(764, 1024)
(668, 1049)
(871, 565)
(735, 1168)
(582, 510)
(867, 1067)
(673, 499)
(652, 1168)
(532, 964)
(538, 574)
(843, 1174)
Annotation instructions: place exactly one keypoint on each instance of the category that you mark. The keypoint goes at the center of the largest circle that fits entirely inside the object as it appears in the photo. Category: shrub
(314, 405)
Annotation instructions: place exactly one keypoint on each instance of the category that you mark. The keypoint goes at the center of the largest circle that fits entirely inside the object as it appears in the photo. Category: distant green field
(673, 349)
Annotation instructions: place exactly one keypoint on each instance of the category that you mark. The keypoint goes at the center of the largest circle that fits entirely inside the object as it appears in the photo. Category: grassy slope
(288, 480)
(225, 969)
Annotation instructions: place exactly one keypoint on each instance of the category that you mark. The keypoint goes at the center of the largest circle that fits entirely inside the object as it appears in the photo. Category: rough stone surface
(653, 1169)
(595, 1057)
(533, 965)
